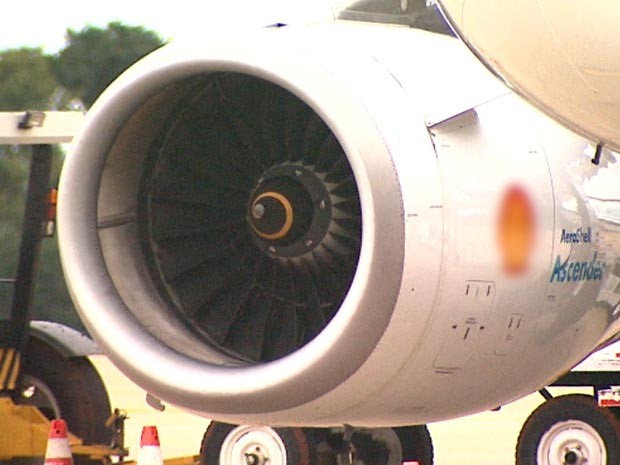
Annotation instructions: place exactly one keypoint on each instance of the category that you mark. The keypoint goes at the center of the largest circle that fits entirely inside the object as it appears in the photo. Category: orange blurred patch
(516, 230)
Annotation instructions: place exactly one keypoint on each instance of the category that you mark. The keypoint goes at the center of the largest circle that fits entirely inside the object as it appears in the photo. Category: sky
(42, 23)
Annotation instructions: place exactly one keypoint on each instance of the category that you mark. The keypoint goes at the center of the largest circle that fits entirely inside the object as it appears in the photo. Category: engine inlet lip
(350, 337)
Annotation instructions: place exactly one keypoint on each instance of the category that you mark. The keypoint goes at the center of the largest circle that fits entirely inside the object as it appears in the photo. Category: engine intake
(249, 213)
(221, 215)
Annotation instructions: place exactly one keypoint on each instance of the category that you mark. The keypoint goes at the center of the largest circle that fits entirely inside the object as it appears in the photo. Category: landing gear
(569, 430)
(225, 444)
(374, 446)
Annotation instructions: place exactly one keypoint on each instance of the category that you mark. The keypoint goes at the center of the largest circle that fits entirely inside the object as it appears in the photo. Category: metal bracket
(597, 154)
(32, 119)
(39, 127)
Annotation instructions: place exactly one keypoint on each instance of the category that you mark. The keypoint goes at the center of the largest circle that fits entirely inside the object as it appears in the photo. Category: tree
(94, 57)
(30, 80)
(27, 81)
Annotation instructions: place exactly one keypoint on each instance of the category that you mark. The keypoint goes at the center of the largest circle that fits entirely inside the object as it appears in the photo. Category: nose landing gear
(225, 444)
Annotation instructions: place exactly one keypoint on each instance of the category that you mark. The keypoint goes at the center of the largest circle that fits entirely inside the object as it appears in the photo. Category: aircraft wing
(561, 56)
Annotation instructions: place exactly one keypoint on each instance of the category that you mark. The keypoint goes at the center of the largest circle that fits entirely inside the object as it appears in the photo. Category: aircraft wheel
(416, 443)
(569, 430)
(225, 444)
(67, 388)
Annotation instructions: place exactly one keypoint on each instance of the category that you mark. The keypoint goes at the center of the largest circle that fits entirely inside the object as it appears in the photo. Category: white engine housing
(438, 320)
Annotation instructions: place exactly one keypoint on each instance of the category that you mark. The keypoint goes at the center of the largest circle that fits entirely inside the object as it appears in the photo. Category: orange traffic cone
(58, 451)
(150, 451)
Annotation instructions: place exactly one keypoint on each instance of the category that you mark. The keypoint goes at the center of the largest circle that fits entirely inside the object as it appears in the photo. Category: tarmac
(487, 438)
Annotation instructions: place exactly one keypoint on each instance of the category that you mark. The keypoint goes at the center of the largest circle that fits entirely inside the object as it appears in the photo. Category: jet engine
(333, 224)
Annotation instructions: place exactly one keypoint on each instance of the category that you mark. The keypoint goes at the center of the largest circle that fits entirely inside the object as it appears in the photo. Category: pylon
(150, 451)
(58, 451)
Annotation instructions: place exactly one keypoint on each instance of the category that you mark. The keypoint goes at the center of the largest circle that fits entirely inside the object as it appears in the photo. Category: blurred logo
(516, 230)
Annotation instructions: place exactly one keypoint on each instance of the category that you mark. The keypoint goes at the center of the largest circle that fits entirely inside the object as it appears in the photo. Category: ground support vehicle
(577, 429)
(44, 369)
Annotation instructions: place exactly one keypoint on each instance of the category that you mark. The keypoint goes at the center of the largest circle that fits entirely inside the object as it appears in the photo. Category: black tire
(571, 424)
(222, 434)
(417, 444)
(67, 388)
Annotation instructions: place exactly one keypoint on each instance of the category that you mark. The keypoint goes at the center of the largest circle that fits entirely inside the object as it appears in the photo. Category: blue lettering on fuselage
(578, 236)
(573, 271)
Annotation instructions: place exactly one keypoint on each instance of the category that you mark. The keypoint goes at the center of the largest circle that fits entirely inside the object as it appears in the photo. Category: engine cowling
(302, 226)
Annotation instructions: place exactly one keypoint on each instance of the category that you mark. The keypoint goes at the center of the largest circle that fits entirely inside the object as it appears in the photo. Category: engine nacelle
(335, 224)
